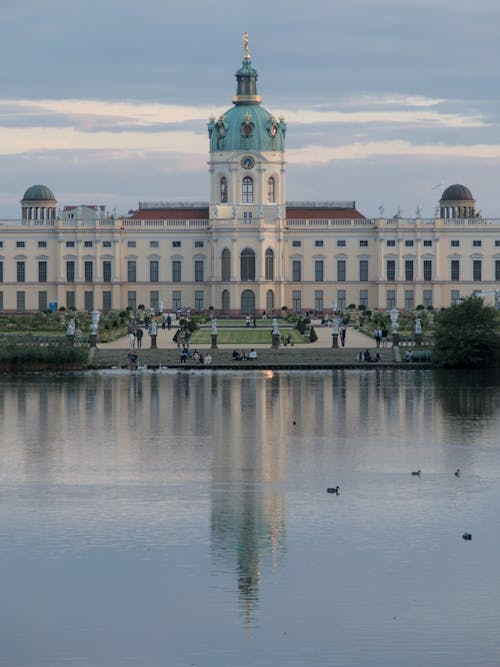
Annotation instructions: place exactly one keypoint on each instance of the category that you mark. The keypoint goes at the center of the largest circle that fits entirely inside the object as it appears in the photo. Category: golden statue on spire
(245, 45)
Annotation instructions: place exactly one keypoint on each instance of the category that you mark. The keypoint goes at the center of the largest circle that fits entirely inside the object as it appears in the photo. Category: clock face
(247, 162)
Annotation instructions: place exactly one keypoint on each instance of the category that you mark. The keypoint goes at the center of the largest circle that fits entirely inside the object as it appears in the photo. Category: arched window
(247, 302)
(226, 265)
(269, 302)
(247, 264)
(269, 272)
(223, 190)
(226, 302)
(247, 190)
(270, 190)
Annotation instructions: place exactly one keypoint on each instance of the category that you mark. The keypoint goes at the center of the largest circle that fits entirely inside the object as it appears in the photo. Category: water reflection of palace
(232, 436)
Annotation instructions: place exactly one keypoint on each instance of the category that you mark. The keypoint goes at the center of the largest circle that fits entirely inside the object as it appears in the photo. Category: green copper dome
(38, 193)
(247, 126)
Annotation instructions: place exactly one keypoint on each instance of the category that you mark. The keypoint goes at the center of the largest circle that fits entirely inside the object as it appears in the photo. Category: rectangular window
(391, 298)
(427, 243)
(199, 244)
(455, 269)
(70, 271)
(70, 300)
(88, 301)
(106, 301)
(20, 302)
(88, 271)
(154, 300)
(363, 270)
(341, 271)
(391, 243)
(176, 300)
(409, 244)
(427, 296)
(296, 244)
(341, 303)
(363, 244)
(106, 271)
(21, 272)
(1, 244)
(409, 269)
(154, 271)
(42, 244)
(477, 269)
(318, 270)
(132, 300)
(476, 244)
(198, 270)
(131, 244)
(1, 272)
(296, 301)
(198, 301)
(154, 244)
(363, 297)
(42, 272)
(455, 244)
(391, 269)
(106, 244)
(131, 271)
(427, 269)
(497, 269)
(341, 244)
(409, 299)
(70, 244)
(497, 243)
(296, 270)
(88, 244)
(247, 217)
(42, 301)
(455, 297)
(20, 244)
(176, 244)
(318, 301)
(176, 270)
(318, 244)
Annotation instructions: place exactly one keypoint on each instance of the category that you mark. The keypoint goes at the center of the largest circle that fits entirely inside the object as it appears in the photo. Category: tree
(466, 335)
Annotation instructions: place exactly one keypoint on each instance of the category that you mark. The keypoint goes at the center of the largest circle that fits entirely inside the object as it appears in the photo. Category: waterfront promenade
(315, 355)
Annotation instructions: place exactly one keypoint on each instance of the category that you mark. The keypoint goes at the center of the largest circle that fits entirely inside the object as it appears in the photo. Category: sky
(387, 102)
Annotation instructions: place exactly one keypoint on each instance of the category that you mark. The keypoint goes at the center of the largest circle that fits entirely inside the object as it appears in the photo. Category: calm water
(178, 519)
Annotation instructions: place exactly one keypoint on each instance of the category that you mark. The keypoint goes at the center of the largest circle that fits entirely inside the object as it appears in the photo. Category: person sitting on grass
(252, 354)
(208, 359)
(237, 356)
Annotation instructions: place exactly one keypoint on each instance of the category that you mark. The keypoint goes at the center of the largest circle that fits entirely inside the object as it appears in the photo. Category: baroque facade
(247, 250)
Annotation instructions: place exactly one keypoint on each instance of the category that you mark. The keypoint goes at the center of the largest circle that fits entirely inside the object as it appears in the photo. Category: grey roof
(38, 193)
(457, 193)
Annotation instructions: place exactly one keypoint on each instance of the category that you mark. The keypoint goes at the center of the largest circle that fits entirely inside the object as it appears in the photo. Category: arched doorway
(247, 302)
(269, 301)
(226, 302)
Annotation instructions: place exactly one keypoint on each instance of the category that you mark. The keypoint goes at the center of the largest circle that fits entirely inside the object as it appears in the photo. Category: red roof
(292, 213)
(170, 214)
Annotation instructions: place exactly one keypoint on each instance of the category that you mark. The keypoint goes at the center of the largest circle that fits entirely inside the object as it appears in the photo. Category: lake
(172, 519)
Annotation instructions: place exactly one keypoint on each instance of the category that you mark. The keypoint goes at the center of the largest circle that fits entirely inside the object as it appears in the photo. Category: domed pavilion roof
(38, 193)
(457, 193)
(247, 126)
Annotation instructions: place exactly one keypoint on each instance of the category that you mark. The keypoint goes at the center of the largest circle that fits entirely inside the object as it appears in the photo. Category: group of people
(381, 336)
(243, 356)
(367, 356)
(187, 353)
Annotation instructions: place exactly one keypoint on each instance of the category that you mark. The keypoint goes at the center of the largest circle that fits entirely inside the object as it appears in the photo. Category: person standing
(139, 336)
(343, 330)
(169, 322)
(378, 336)
(131, 340)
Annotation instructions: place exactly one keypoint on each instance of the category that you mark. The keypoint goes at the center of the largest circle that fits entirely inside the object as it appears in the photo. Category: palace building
(246, 250)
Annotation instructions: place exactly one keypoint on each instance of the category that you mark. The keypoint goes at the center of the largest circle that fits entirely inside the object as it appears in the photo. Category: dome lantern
(457, 202)
(38, 204)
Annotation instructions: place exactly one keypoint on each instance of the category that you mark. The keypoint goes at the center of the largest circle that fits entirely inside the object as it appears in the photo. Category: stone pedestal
(275, 341)
(153, 342)
(93, 340)
(213, 346)
(418, 339)
(71, 339)
(395, 340)
(335, 340)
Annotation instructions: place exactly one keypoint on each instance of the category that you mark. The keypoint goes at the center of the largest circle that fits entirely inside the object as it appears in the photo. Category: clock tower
(247, 201)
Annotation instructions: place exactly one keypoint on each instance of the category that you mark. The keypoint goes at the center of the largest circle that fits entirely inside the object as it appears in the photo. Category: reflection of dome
(38, 193)
(457, 193)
